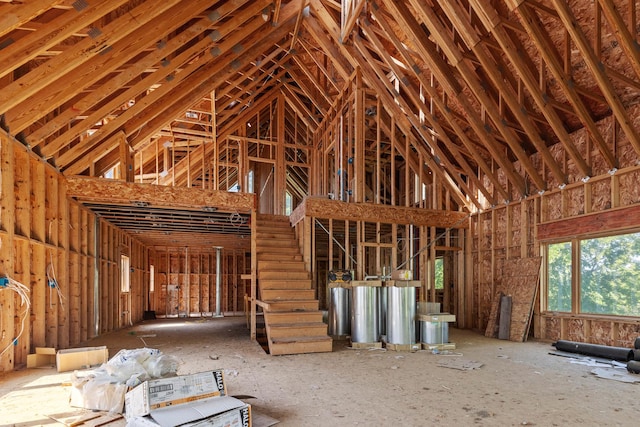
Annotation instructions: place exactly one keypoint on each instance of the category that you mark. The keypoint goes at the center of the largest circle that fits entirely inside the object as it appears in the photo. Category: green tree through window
(610, 275)
(609, 280)
(559, 278)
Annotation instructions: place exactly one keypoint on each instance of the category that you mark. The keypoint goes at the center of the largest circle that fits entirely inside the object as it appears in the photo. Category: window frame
(576, 279)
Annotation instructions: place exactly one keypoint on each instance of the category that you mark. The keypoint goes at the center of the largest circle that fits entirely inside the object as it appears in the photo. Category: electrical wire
(52, 283)
(23, 292)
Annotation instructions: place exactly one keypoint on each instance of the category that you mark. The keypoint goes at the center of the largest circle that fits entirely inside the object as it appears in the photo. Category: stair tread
(287, 340)
(297, 325)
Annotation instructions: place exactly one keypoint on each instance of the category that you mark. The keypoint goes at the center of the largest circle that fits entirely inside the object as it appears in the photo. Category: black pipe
(613, 353)
(636, 344)
(636, 354)
(633, 366)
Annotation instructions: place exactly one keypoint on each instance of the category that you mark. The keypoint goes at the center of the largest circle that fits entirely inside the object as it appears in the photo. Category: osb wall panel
(552, 206)
(552, 328)
(601, 195)
(601, 332)
(575, 330)
(627, 333)
(501, 222)
(629, 188)
(575, 201)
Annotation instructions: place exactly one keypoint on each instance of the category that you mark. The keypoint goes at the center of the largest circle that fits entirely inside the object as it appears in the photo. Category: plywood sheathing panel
(600, 196)
(629, 190)
(576, 330)
(519, 279)
(627, 334)
(600, 331)
(85, 188)
(552, 328)
(492, 323)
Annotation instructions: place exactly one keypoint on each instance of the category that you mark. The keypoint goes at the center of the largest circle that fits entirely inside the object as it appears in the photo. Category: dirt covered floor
(516, 384)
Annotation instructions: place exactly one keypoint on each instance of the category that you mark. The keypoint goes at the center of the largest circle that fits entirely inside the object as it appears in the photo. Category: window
(559, 277)
(288, 203)
(439, 273)
(610, 274)
(605, 281)
(124, 273)
(152, 278)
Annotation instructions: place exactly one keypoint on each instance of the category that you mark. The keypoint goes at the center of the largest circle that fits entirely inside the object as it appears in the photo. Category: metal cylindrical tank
(382, 310)
(401, 313)
(364, 313)
(339, 311)
(434, 332)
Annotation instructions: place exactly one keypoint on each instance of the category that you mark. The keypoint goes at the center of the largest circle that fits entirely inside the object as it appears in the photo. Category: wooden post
(7, 252)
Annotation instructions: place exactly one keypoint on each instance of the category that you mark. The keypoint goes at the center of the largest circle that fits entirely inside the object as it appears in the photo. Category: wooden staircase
(292, 319)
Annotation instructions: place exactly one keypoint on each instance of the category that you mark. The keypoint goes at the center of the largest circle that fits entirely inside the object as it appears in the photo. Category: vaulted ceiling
(484, 85)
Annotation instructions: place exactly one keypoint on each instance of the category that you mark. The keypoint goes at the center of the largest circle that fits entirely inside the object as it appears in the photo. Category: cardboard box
(225, 411)
(401, 275)
(164, 392)
(81, 358)
(44, 356)
(437, 317)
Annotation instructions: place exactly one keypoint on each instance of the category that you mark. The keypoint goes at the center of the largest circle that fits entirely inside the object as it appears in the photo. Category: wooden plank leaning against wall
(512, 231)
(48, 244)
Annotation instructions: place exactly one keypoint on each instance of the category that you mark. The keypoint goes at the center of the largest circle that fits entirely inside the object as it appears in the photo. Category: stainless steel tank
(339, 311)
(382, 310)
(364, 313)
(401, 313)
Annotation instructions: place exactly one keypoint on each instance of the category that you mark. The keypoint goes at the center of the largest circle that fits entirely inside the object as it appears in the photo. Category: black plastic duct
(614, 353)
(636, 344)
(633, 366)
(636, 354)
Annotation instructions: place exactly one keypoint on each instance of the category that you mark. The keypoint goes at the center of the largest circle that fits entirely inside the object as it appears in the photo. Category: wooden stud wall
(186, 281)
(48, 239)
(509, 231)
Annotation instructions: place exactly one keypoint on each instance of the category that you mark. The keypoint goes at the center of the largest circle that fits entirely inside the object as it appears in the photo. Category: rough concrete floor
(517, 384)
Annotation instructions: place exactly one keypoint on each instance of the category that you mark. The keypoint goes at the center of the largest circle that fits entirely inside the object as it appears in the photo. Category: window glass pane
(609, 275)
(124, 273)
(439, 273)
(559, 277)
(152, 278)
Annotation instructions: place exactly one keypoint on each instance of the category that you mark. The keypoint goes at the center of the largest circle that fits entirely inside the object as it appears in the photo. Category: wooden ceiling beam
(549, 53)
(331, 79)
(148, 121)
(447, 79)
(99, 66)
(434, 122)
(159, 55)
(53, 32)
(513, 50)
(238, 83)
(461, 21)
(335, 53)
(473, 82)
(595, 66)
(246, 102)
(147, 107)
(133, 92)
(376, 77)
(33, 82)
(430, 141)
(627, 40)
(16, 14)
(307, 117)
(320, 92)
